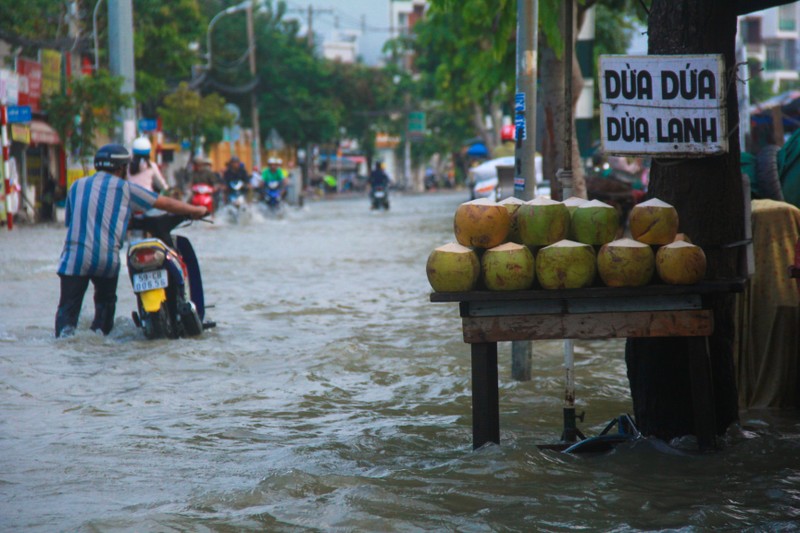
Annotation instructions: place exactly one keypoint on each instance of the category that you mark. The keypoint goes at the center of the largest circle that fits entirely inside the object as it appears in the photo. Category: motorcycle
(380, 197)
(272, 196)
(237, 201)
(203, 194)
(165, 276)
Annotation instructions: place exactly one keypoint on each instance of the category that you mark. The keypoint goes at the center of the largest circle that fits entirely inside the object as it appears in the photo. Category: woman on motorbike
(142, 171)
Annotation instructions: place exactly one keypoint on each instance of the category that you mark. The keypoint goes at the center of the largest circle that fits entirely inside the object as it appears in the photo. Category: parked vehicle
(203, 194)
(380, 197)
(494, 179)
(165, 276)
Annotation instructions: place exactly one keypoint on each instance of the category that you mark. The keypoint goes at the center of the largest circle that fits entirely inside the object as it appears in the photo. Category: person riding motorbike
(142, 171)
(378, 180)
(98, 210)
(234, 172)
(273, 173)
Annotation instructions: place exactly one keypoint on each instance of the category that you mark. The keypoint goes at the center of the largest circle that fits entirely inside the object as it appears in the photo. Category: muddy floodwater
(333, 396)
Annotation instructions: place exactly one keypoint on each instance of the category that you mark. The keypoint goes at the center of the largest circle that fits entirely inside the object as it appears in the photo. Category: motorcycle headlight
(147, 258)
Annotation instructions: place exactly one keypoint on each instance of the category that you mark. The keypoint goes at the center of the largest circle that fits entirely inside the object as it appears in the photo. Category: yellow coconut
(453, 268)
(626, 263)
(512, 203)
(481, 223)
(594, 222)
(653, 222)
(565, 265)
(508, 267)
(681, 263)
(542, 222)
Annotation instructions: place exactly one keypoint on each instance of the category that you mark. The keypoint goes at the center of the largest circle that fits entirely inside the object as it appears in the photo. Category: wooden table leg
(705, 420)
(485, 398)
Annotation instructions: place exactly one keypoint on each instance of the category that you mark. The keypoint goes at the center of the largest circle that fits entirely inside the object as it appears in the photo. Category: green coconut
(625, 263)
(681, 263)
(653, 222)
(573, 202)
(481, 223)
(512, 204)
(508, 267)
(566, 265)
(594, 222)
(542, 222)
(453, 268)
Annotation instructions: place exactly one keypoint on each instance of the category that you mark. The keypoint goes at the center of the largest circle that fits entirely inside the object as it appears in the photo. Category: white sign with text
(663, 105)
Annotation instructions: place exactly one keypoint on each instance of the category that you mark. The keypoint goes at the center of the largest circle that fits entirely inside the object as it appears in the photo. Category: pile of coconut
(515, 245)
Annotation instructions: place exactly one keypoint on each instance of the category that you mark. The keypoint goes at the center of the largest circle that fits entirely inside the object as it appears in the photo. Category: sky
(348, 14)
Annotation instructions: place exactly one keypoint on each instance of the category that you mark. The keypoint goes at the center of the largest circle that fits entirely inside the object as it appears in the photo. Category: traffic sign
(18, 113)
(148, 124)
(416, 122)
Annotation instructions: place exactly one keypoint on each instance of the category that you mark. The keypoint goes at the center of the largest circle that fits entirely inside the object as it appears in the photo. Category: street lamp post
(251, 50)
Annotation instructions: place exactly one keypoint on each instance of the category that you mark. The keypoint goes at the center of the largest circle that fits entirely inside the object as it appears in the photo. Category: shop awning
(43, 133)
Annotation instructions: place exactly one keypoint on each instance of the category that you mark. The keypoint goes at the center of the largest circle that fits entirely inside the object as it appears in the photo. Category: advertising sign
(663, 105)
(30, 82)
(9, 87)
(51, 72)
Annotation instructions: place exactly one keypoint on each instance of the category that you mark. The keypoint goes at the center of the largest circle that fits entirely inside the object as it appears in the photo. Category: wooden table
(592, 313)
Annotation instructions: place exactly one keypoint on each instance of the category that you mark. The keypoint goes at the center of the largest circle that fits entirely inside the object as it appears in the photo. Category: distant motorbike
(165, 276)
(380, 197)
(272, 196)
(237, 201)
(203, 194)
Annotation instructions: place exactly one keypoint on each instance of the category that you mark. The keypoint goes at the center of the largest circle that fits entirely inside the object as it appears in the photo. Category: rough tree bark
(552, 98)
(708, 194)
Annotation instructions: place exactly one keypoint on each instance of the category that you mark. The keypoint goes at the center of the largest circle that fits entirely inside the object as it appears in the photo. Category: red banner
(30, 82)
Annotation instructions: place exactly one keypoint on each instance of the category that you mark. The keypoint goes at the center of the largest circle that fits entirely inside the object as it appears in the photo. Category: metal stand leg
(485, 397)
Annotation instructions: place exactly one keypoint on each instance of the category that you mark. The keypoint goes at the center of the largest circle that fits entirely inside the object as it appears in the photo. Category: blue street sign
(519, 103)
(18, 113)
(148, 124)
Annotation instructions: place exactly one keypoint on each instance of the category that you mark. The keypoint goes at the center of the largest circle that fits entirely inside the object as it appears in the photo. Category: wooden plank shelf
(592, 313)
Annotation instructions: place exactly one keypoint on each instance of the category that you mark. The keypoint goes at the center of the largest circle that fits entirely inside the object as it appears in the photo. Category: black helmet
(112, 157)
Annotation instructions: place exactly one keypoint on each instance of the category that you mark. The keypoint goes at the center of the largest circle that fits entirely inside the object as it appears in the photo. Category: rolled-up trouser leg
(69, 304)
(105, 303)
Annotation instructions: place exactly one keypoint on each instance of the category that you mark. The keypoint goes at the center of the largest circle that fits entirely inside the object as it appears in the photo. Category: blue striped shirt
(98, 210)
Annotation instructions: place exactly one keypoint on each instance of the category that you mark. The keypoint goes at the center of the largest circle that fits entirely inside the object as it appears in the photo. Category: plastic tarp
(789, 169)
(768, 347)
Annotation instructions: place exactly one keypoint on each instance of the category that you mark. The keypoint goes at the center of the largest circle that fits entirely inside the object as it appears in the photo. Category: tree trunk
(552, 97)
(708, 195)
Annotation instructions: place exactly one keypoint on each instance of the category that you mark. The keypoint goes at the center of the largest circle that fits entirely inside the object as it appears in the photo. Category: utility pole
(310, 14)
(120, 52)
(251, 43)
(525, 153)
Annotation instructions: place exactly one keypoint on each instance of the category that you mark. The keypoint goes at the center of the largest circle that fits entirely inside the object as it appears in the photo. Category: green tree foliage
(88, 108)
(162, 33)
(468, 50)
(187, 114)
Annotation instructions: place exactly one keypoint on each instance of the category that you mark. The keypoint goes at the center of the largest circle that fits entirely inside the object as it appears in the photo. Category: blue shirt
(98, 210)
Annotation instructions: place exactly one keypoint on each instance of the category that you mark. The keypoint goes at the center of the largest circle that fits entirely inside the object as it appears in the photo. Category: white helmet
(141, 146)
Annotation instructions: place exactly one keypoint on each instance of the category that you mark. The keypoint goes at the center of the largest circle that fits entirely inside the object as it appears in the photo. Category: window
(787, 18)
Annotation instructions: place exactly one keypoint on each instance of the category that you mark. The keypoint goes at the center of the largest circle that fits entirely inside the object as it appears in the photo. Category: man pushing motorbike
(98, 210)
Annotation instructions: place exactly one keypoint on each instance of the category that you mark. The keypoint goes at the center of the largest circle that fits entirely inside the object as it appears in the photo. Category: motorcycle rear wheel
(157, 325)
(190, 321)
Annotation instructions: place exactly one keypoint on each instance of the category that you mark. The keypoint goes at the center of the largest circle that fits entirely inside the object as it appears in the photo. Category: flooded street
(332, 396)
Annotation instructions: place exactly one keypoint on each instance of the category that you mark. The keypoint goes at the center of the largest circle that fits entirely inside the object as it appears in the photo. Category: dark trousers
(73, 288)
